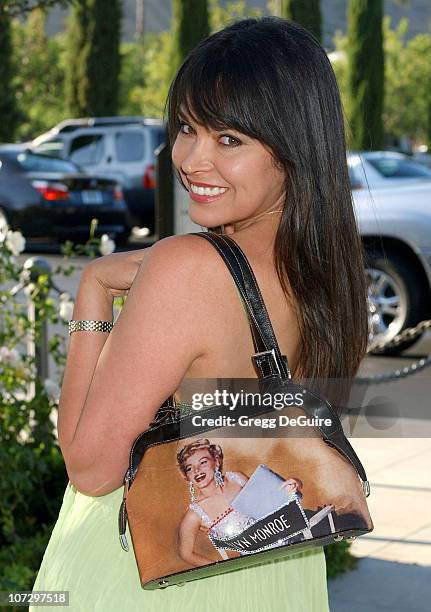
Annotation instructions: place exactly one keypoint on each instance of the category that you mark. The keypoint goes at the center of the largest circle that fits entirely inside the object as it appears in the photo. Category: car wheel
(397, 297)
(4, 225)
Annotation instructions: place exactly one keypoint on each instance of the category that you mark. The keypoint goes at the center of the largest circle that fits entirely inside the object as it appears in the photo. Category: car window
(87, 149)
(393, 167)
(32, 162)
(51, 147)
(158, 135)
(129, 146)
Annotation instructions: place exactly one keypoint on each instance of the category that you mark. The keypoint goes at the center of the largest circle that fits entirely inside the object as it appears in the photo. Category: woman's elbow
(87, 485)
(88, 475)
(90, 482)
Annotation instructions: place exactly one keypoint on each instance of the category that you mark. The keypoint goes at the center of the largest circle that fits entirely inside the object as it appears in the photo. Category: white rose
(52, 389)
(15, 242)
(3, 232)
(12, 358)
(66, 307)
(107, 245)
(15, 358)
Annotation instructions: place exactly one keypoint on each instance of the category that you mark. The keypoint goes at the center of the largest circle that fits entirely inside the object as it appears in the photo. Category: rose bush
(33, 476)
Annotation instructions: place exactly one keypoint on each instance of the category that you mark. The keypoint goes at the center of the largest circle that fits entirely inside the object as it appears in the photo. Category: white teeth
(207, 191)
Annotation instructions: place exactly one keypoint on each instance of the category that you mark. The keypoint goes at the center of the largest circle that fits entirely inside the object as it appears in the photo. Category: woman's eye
(185, 128)
(230, 141)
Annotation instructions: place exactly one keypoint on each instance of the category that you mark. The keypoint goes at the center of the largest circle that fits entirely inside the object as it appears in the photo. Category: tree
(305, 12)
(93, 58)
(13, 8)
(191, 25)
(407, 81)
(407, 84)
(146, 75)
(222, 16)
(132, 80)
(39, 76)
(147, 67)
(8, 105)
(365, 73)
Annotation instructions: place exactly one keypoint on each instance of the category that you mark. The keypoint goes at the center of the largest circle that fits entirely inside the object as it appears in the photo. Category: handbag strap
(267, 360)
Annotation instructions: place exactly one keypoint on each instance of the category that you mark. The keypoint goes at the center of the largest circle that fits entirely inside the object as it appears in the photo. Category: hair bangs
(217, 93)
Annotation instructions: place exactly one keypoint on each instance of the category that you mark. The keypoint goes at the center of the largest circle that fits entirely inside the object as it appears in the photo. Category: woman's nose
(199, 158)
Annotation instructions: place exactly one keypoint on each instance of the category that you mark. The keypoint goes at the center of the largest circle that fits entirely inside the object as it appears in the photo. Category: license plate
(92, 197)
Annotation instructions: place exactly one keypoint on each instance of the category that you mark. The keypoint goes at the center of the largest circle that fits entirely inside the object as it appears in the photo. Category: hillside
(157, 16)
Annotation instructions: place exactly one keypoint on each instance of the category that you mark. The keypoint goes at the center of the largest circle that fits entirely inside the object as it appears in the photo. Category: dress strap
(236, 478)
(201, 513)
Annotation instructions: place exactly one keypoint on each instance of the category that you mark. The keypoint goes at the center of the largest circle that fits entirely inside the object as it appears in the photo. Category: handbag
(286, 492)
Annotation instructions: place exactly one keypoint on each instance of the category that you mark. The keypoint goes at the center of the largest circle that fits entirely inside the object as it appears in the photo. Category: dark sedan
(50, 200)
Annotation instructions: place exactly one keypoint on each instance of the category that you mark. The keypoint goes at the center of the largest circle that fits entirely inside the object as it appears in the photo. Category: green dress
(84, 557)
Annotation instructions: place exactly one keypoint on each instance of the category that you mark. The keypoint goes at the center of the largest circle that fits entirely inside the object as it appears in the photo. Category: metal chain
(408, 334)
(414, 368)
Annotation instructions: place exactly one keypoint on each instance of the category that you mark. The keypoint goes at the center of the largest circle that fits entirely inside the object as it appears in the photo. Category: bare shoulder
(184, 263)
(184, 249)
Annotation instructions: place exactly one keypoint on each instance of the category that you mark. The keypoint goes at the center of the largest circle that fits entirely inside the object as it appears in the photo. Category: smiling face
(230, 177)
(199, 468)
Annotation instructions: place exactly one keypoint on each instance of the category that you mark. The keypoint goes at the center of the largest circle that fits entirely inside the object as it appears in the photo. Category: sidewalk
(394, 567)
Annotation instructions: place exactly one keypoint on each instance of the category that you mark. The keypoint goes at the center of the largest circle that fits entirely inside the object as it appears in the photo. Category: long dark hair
(270, 79)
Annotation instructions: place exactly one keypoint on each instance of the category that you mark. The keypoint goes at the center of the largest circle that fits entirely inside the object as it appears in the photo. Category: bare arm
(188, 532)
(93, 301)
(114, 385)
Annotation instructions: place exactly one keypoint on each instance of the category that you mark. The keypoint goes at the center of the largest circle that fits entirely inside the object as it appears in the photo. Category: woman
(258, 142)
(211, 493)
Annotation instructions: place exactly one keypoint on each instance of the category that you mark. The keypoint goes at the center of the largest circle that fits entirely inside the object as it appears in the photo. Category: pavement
(394, 567)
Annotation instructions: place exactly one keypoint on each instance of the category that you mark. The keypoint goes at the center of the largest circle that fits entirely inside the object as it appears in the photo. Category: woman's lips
(203, 198)
(196, 191)
(199, 477)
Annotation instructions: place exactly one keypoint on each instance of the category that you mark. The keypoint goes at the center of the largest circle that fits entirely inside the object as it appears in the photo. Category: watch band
(84, 325)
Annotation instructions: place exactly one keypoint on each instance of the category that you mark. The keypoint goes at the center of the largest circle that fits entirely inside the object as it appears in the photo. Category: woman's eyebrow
(182, 114)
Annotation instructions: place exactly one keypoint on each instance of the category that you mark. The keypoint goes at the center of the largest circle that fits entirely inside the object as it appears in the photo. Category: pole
(139, 28)
(37, 346)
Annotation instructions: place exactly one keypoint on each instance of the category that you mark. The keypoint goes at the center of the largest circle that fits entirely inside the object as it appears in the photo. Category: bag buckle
(124, 543)
(366, 488)
(270, 359)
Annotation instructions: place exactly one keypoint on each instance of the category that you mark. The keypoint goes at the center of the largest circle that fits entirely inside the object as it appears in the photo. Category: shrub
(33, 477)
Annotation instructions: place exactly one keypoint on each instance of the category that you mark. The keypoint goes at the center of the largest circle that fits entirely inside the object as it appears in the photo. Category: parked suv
(392, 197)
(119, 148)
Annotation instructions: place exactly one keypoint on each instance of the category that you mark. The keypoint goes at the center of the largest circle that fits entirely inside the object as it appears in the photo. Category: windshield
(32, 162)
(395, 167)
